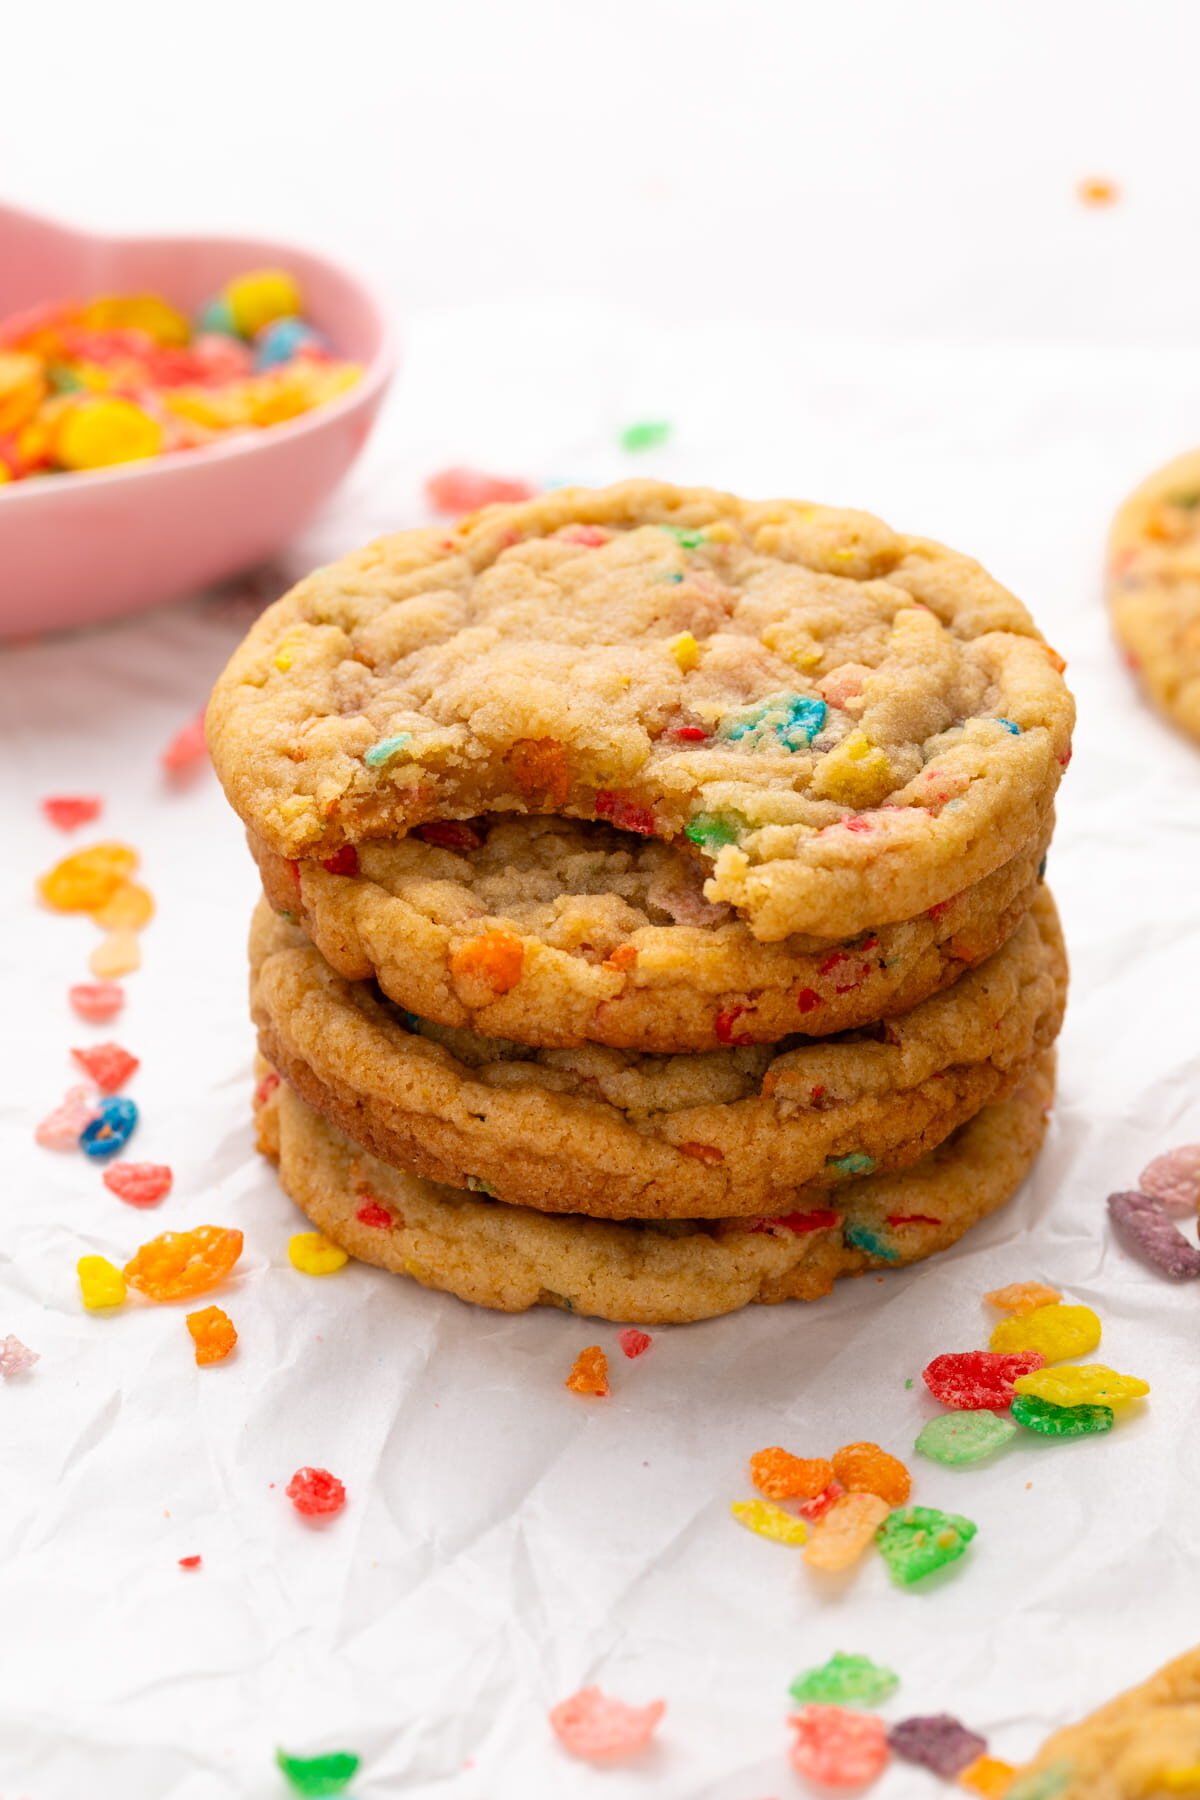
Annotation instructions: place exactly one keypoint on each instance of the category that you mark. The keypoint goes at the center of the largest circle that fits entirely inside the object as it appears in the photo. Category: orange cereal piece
(118, 954)
(866, 1469)
(841, 1536)
(214, 1333)
(539, 767)
(88, 879)
(782, 1476)
(496, 959)
(589, 1372)
(127, 908)
(182, 1263)
(988, 1776)
(623, 958)
(1097, 190)
(1021, 1297)
(1057, 663)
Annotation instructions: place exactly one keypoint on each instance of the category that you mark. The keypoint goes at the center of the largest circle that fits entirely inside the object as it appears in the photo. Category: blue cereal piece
(282, 339)
(1010, 725)
(386, 748)
(216, 317)
(111, 1130)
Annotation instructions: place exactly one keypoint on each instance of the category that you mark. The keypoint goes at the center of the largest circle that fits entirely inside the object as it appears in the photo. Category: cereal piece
(1141, 1223)
(686, 651)
(626, 813)
(97, 1001)
(1082, 1384)
(495, 959)
(988, 1776)
(845, 1531)
(1061, 1421)
(644, 434)
(316, 1493)
(138, 1184)
(148, 314)
(129, 907)
(1176, 1778)
(187, 748)
(634, 1343)
(61, 1129)
(68, 811)
(84, 881)
(959, 1439)
(838, 1748)
(319, 1776)
(782, 1476)
(466, 490)
(971, 1379)
(107, 1065)
(260, 296)
(845, 1681)
(342, 862)
(98, 431)
(1022, 1297)
(15, 1357)
(919, 1539)
(593, 1726)
(111, 1129)
(313, 1254)
(1055, 1332)
(1098, 190)
(769, 1521)
(589, 1372)
(119, 954)
(100, 1284)
(213, 1333)
(190, 1562)
(376, 1216)
(1174, 1178)
(182, 1263)
(937, 1741)
(819, 1505)
(866, 1469)
(855, 773)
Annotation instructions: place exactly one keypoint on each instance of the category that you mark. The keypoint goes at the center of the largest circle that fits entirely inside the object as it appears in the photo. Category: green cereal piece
(857, 1163)
(386, 748)
(958, 1439)
(871, 1242)
(916, 1540)
(1061, 1421)
(711, 831)
(645, 434)
(687, 540)
(319, 1775)
(845, 1681)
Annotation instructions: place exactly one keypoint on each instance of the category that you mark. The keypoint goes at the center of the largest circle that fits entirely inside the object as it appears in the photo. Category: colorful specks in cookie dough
(1142, 1224)
(111, 1129)
(782, 1476)
(319, 1777)
(387, 749)
(845, 1681)
(969, 1380)
(375, 1216)
(938, 1742)
(16, 1358)
(769, 1521)
(597, 1728)
(836, 1747)
(961, 1439)
(179, 1264)
(101, 1285)
(312, 1253)
(495, 959)
(1050, 1420)
(866, 1469)
(107, 1065)
(462, 490)
(138, 1184)
(917, 1540)
(1174, 1179)
(316, 1494)
(1053, 1332)
(69, 811)
(214, 1334)
(589, 1373)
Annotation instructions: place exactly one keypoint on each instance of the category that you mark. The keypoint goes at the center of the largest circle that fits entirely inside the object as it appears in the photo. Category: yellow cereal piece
(313, 1254)
(137, 312)
(1022, 1297)
(1184, 1778)
(22, 389)
(283, 661)
(770, 1521)
(98, 432)
(101, 1284)
(260, 296)
(118, 954)
(1082, 1384)
(988, 1776)
(1058, 1332)
(686, 651)
(128, 908)
(215, 409)
(855, 772)
(842, 1535)
(88, 878)
(5, 473)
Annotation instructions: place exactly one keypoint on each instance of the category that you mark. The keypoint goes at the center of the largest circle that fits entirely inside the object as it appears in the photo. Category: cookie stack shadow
(529, 1057)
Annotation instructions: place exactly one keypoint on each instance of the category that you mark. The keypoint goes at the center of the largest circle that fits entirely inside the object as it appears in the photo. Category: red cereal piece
(820, 1504)
(589, 1372)
(188, 748)
(138, 1184)
(97, 1001)
(799, 1222)
(808, 1000)
(462, 490)
(634, 1343)
(968, 1380)
(378, 1217)
(840, 1748)
(190, 1562)
(266, 1088)
(724, 1023)
(705, 1153)
(68, 811)
(624, 812)
(912, 1219)
(590, 536)
(343, 861)
(449, 834)
(690, 734)
(593, 1726)
(316, 1493)
(108, 1065)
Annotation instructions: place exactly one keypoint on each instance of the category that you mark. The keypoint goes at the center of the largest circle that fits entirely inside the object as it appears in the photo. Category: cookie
(620, 1134)
(850, 725)
(511, 1258)
(563, 932)
(1144, 1745)
(1154, 588)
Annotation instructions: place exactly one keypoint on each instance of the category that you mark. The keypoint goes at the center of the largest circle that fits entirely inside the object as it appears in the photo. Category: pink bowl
(78, 548)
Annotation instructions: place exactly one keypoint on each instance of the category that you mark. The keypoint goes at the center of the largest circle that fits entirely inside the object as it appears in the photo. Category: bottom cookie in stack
(512, 1257)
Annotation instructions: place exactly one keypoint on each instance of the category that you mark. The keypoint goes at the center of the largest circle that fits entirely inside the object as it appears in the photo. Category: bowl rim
(365, 393)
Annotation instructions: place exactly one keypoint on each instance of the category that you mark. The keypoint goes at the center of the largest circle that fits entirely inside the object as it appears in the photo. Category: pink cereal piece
(97, 1001)
(837, 1747)
(593, 1726)
(15, 1357)
(1174, 1178)
(138, 1184)
(187, 748)
(634, 1343)
(68, 811)
(465, 490)
(60, 1129)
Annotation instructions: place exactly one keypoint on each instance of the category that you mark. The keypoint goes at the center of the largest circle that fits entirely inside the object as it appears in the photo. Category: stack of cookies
(653, 915)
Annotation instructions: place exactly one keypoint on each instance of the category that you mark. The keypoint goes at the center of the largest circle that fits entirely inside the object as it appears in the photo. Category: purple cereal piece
(1174, 1178)
(938, 1741)
(1141, 1223)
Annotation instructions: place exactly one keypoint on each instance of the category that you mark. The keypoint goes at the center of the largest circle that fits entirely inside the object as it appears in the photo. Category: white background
(840, 249)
